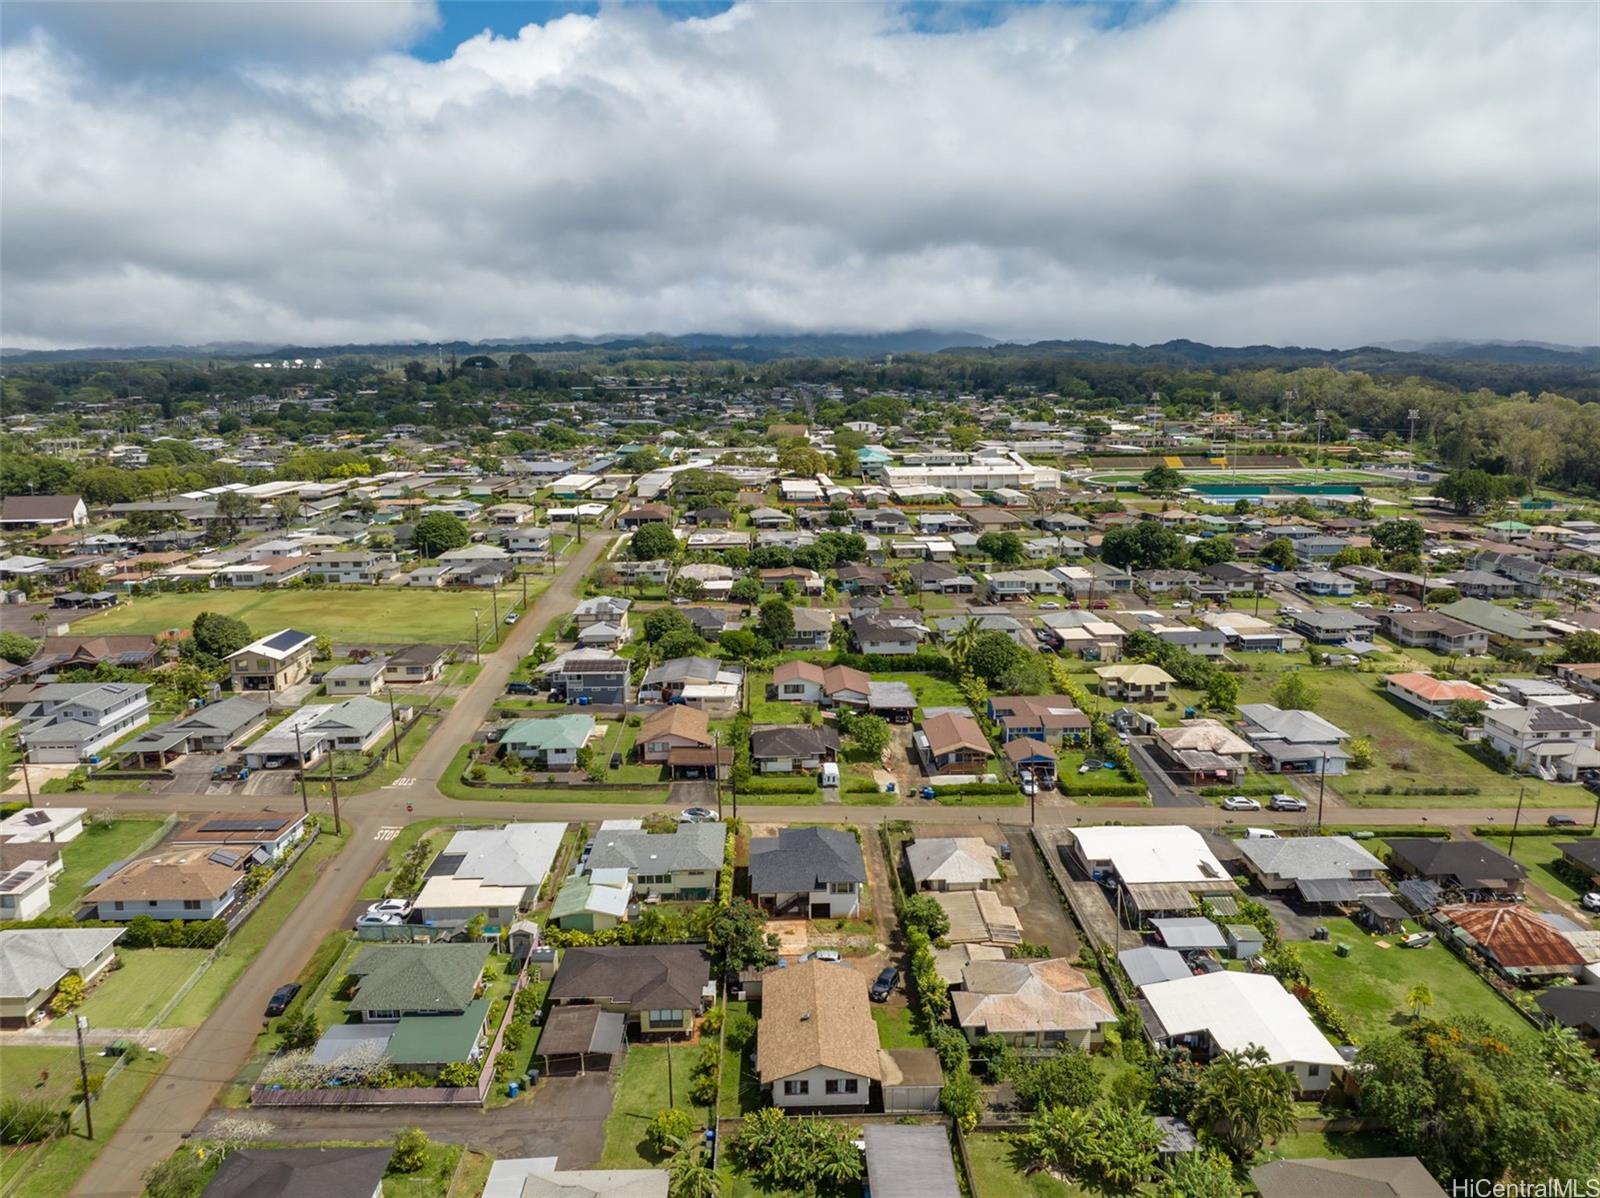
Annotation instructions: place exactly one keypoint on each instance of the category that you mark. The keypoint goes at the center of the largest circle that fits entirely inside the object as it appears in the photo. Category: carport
(582, 1039)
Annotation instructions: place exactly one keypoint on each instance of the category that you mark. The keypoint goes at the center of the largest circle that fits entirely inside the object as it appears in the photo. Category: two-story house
(66, 722)
(273, 663)
(594, 675)
(677, 866)
(811, 873)
(361, 566)
(1534, 737)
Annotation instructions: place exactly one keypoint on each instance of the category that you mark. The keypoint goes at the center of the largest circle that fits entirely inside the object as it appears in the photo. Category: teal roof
(438, 1039)
(417, 977)
(561, 732)
(1500, 621)
(1511, 526)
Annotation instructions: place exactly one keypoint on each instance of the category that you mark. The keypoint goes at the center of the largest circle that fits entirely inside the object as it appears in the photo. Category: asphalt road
(181, 1099)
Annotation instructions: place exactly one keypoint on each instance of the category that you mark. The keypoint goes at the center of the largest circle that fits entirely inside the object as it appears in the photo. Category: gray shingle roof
(687, 847)
(799, 859)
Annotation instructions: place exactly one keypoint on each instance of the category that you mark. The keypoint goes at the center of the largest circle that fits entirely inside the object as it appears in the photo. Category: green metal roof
(438, 1039)
(562, 732)
(417, 977)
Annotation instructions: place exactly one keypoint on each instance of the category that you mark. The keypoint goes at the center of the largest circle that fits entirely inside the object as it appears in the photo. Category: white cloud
(1234, 173)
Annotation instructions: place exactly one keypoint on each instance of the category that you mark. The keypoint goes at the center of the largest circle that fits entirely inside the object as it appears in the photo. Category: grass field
(129, 997)
(894, 1027)
(1369, 986)
(252, 937)
(382, 615)
(740, 1090)
(997, 1172)
(638, 1094)
(49, 1170)
(1538, 853)
(100, 845)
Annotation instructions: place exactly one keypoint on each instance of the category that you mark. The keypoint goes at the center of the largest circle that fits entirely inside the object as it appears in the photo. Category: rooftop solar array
(287, 639)
(241, 825)
(224, 857)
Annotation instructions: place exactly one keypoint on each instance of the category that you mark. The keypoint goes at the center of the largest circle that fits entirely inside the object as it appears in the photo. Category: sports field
(381, 615)
(1301, 478)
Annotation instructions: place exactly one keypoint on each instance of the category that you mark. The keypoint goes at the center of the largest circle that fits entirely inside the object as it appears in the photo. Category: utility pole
(300, 768)
(524, 594)
(477, 638)
(333, 785)
(494, 598)
(1320, 413)
(1515, 820)
(716, 768)
(1595, 825)
(394, 725)
(82, 1024)
(27, 782)
(1322, 786)
(1412, 416)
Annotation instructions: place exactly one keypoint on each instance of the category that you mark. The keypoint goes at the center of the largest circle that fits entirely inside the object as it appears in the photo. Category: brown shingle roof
(951, 730)
(677, 720)
(815, 1013)
(171, 876)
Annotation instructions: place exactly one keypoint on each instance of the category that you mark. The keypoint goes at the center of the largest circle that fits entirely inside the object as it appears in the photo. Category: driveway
(1163, 791)
(1292, 924)
(565, 1119)
(1027, 888)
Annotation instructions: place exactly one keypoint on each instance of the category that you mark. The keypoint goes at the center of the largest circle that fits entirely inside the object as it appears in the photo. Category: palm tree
(1419, 998)
(1245, 1102)
(964, 638)
(690, 1174)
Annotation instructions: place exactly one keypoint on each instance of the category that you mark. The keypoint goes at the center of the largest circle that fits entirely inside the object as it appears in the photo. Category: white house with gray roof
(352, 726)
(680, 865)
(64, 723)
(34, 960)
(1322, 869)
(816, 873)
(1295, 742)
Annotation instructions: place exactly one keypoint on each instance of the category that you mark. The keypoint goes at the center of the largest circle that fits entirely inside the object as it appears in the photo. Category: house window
(666, 1017)
(841, 887)
(654, 879)
(797, 1088)
(191, 904)
(117, 904)
(1313, 1070)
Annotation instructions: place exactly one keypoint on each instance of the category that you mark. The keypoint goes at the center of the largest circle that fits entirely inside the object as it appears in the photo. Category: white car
(376, 919)
(827, 955)
(1289, 610)
(1360, 603)
(1240, 803)
(1028, 787)
(1049, 607)
(511, 617)
(1401, 608)
(391, 906)
(1590, 901)
(1182, 605)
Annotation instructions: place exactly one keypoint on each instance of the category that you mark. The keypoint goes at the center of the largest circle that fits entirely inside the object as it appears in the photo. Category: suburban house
(1467, 867)
(349, 726)
(550, 743)
(812, 873)
(1031, 1004)
(273, 663)
(817, 1043)
(702, 682)
(908, 1160)
(34, 960)
(1203, 752)
(214, 728)
(788, 748)
(592, 901)
(1534, 737)
(538, 1176)
(1295, 742)
(1333, 625)
(519, 856)
(670, 730)
(813, 629)
(243, 838)
(42, 825)
(1433, 630)
(1503, 625)
(300, 1173)
(1233, 1011)
(1031, 760)
(596, 676)
(355, 678)
(601, 609)
(677, 866)
(830, 686)
(1320, 869)
(1433, 696)
(396, 981)
(659, 988)
(415, 663)
(59, 653)
(1038, 717)
(262, 572)
(1515, 939)
(450, 901)
(25, 887)
(878, 636)
(1134, 682)
(43, 511)
(64, 723)
(948, 863)
(1376, 1177)
(1160, 869)
(1584, 857)
(365, 567)
(182, 884)
(952, 743)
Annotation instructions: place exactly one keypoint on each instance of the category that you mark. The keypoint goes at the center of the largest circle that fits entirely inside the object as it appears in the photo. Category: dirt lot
(1027, 888)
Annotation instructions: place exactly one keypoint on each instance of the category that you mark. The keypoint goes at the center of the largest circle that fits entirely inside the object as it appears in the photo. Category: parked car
(1240, 803)
(1401, 608)
(511, 617)
(616, 761)
(1561, 821)
(829, 956)
(1182, 605)
(378, 919)
(1590, 901)
(1049, 607)
(1361, 603)
(1028, 787)
(281, 998)
(883, 985)
(391, 906)
(1286, 803)
(696, 815)
(1416, 940)
(521, 688)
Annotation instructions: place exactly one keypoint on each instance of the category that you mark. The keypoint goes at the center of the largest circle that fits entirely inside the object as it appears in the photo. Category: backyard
(131, 994)
(650, 1078)
(1539, 853)
(382, 615)
(1370, 986)
(101, 843)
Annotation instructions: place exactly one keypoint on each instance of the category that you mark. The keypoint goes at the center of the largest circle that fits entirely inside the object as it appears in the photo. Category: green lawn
(452, 785)
(1338, 1146)
(930, 691)
(431, 1181)
(1369, 986)
(998, 1173)
(894, 1027)
(383, 615)
(51, 1170)
(131, 996)
(100, 845)
(1538, 853)
(388, 770)
(740, 1091)
(252, 937)
(637, 1095)
(1410, 751)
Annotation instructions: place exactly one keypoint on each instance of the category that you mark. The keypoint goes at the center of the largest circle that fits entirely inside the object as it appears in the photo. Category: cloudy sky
(319, 172)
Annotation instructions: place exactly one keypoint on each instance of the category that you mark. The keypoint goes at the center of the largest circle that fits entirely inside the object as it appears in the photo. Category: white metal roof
(1240, 1010)
(1142, 855)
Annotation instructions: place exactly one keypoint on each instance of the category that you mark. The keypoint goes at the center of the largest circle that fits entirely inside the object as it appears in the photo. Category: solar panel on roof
(224, 857)
(287, 639)
(36, 818)
(240, 825)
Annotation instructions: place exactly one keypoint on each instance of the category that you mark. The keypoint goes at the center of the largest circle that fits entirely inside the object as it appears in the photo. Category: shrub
(667, 1129)
(24, 1120)
(410, 1151)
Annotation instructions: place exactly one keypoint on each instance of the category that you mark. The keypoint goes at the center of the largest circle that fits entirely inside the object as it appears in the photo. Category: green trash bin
(1341, 949)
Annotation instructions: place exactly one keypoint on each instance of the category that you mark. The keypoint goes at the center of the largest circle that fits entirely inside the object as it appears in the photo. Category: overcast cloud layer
(1327, 175)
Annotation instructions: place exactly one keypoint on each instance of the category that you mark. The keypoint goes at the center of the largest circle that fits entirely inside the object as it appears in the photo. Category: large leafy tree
(218, 635)
(1280, 553)
(438, 533)
(737, 937)
(1244, 1102)
(1004, 547)
(776, 623)
(1398, 536)
(1161, 480)
(1294, 693)
(16, 648)
(1471, 491)
(1065, 1079)
(1142, 546)
(652, 541)
(994, 653)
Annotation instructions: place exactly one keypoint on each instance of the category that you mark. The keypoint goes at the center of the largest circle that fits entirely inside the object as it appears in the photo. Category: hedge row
(977, 788)
(936, 664)
(800, 784)
(1072, 784)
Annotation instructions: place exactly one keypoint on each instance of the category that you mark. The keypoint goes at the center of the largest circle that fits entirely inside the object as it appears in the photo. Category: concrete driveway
(1027, 888)
(1163, 791)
